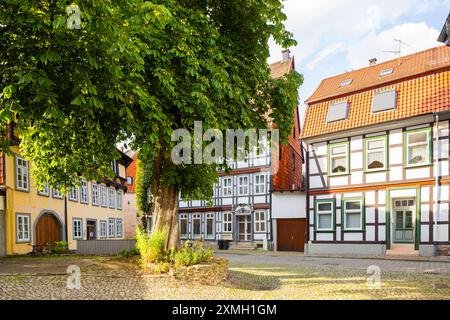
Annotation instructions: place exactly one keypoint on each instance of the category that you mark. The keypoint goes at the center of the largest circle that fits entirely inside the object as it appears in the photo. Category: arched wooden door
(48, 231)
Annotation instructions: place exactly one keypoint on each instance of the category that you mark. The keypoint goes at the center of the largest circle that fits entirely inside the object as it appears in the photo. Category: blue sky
(335, 36)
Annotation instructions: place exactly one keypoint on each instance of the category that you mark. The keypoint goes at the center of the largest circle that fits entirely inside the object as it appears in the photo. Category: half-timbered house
(377, 144)
(243, 210)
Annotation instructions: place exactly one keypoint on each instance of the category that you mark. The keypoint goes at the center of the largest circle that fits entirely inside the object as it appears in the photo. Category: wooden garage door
(291, 234)
(47, 231)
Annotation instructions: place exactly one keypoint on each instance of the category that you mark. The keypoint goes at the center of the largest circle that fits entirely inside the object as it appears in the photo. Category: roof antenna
(398, 52)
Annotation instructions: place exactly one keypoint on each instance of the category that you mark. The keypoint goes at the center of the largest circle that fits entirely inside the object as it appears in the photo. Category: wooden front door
(91, 230)
(244, 228)
(48, 231)
(404, 220)
(291, 234)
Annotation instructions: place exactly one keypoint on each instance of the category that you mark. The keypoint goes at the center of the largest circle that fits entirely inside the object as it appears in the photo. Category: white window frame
(84, 192)
(331, 156)
(103, 229)
(184, 217)
(112, 198)
(119, 199)
(360, 211)
(367, 152)
(428, 146)
(23, 228)
(119, 228)
(240, 185)
(227, 187)
(196, 216)
(57, 194)
(77, 228)
(210, 217)
(73, 194)
(260, 222)
(95, 194)
(317, 213)
(24, 168)
(260, 187)
(227, 222)
(103, 196)
(111, 228)
(45, 192)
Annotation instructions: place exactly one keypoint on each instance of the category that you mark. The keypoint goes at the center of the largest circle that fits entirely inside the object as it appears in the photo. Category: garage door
(291, 234)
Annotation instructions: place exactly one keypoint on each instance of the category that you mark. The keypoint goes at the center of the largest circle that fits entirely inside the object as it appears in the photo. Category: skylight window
(337, 111)
(346, 83)
(386, 72)
(384, 101)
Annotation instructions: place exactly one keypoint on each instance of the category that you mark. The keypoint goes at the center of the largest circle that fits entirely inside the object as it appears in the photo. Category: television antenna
(398, 53)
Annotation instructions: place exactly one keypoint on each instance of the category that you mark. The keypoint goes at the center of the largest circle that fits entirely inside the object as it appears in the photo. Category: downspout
(66, 228)
(437, 184)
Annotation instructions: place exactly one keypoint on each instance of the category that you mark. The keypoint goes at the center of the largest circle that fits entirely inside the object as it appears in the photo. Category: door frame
(58, 219)
(249, 221)
(413, 218)
(95, 229)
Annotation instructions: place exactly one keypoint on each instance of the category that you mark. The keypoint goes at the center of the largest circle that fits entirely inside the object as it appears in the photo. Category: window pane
(324, 221)
(183, 227)
(383, 101)
(418, 137)
(339, 150)
(324, 206)
(408, 220)
(339, 165)
(418, 154)
(353, 220)
(375, 160)
(353, 205)
(338, 111)
(375, 144)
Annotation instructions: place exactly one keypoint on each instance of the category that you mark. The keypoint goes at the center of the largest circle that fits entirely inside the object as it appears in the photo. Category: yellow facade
(30, 203)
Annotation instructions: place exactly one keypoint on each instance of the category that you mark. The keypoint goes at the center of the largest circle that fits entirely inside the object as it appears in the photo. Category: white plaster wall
(288, 205)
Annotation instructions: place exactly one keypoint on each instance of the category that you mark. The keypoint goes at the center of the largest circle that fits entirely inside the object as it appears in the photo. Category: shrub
(128, 253)
(59, 247)
(151, 247)
(190, 255)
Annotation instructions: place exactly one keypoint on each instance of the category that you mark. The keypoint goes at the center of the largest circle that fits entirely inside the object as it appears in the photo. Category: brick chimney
(286, 55)
(373, 61)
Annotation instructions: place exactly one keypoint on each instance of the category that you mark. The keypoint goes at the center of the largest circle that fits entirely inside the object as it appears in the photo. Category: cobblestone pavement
(248, 279)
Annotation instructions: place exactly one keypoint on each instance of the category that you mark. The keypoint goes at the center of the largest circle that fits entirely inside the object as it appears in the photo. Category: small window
(84, 198)
(337, 112)
(324, 215)
(103, 227)
(111, 227)
(77, 228)
(384, 101)
(22, 174)
(243, 185)
(260, 184)
(338, 159)
(227, 222)
(23, 228)
(130, 180)
(73, 194)
(353, 214)
(376, 153)
(210, 225)
(183, 226)
(386, 72)
(112, 198)
(104, 196)
(346, 83)
(418, 147)
(260, 221)
(94, 187)
(57, 194)
(119, 199)
(119, 228)
(45, 191)
(227, 187)
(196, 225)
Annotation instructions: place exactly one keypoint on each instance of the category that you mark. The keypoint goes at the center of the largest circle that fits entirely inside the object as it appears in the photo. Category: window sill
(418, 166)
(324, 231)
(376, 171)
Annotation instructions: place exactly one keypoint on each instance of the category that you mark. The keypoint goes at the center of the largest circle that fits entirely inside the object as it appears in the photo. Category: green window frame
(407, 145)
(368, 150)
(345, 211)
(318, 212)
(332, 155)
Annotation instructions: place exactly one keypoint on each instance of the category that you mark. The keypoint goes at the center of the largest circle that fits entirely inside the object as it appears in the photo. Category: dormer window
(386, 72)
(384, 101)
(337, 111)
(346, 83)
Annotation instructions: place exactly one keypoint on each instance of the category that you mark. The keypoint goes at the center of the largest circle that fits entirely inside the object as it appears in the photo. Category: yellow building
(32, 219)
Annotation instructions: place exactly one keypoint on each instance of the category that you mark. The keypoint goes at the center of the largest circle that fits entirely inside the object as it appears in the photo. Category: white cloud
(328, 51)
(419, 36)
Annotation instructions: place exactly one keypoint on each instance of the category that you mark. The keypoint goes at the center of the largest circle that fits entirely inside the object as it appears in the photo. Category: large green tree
(137, 70)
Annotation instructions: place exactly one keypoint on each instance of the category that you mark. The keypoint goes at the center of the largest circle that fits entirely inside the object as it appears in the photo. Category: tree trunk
(165, 206)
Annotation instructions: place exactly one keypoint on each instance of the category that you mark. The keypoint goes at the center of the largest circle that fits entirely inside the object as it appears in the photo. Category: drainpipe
(66, 220)
(437, 188)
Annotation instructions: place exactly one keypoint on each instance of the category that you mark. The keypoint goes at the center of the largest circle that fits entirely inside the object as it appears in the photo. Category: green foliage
(150, 247)
(60, 247)
(128, 253)
(191, 254)
(137, 70)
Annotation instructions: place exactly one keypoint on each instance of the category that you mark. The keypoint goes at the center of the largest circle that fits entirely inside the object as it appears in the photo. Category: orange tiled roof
(417, 93)
(278, 69)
